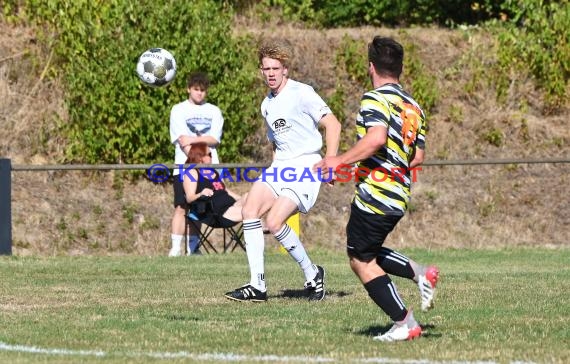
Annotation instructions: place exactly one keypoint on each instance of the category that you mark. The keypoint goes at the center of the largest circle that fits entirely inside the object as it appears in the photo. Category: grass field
(492, 306)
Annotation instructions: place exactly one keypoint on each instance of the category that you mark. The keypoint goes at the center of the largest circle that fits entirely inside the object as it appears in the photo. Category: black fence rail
(6, 169)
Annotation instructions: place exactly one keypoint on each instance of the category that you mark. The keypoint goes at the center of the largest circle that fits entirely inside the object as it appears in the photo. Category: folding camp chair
(202, 216)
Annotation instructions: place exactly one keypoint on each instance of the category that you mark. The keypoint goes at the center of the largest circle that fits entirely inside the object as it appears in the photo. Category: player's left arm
(420, 144)
(418, 159)
(332, 133)
(216, 128)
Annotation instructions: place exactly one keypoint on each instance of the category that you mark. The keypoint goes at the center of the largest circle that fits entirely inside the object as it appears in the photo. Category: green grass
(492, 305)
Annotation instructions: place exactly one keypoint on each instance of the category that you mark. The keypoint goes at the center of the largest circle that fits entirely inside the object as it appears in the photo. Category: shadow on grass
(302, 293)
(181, 318)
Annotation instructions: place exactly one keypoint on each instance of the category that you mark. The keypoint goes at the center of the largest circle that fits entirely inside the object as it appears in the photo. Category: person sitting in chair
(206, 186)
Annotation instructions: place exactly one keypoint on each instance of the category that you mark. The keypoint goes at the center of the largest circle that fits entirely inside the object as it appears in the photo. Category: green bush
(343, 13)
(114, 118)
(536, 39)
(495, 137)
(352, 58)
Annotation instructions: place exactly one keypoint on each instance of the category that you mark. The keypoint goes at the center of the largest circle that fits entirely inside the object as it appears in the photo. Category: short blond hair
(278, 50)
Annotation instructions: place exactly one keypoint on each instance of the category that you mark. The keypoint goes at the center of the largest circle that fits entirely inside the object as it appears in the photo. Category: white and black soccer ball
(156, 67)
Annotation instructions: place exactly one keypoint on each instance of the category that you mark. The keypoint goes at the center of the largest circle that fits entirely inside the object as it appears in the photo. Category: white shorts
(295, 179)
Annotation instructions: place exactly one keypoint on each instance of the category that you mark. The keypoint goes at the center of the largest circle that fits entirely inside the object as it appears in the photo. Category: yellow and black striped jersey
(385, 186)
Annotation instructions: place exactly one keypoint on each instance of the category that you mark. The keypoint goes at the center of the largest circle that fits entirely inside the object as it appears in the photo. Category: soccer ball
(156, 67)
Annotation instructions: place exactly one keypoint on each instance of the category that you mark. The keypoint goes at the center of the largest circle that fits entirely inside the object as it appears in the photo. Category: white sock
(290, 241)
(176, 244)
(254, 247)
(176, 241)
(192, 243)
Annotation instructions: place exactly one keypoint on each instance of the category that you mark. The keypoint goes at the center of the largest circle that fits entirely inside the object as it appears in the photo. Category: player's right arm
(178, 129)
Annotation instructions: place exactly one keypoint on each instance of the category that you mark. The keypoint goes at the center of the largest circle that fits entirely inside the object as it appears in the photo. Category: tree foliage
(343, 13)
(114, 118)
(537, 38)
(533, 34)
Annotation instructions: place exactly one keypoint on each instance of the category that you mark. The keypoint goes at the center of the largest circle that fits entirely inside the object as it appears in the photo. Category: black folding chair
(205, 220)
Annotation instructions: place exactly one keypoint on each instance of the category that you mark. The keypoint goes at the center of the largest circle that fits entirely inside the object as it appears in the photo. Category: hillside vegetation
(472, 114)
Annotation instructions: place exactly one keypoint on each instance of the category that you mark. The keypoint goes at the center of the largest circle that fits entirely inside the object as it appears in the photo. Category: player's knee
(273, 226)
(356, 265)
(179, 210)
(248, 212)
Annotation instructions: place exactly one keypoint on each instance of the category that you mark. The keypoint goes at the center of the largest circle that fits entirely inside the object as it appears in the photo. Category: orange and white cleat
(407, 329)
(426, 284)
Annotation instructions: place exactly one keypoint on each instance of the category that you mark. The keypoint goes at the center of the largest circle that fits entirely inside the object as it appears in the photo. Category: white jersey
(190, 119)
(292, 119)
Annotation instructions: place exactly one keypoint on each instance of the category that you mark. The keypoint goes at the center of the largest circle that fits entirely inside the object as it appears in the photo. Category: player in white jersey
(293, 112)
(192, 121)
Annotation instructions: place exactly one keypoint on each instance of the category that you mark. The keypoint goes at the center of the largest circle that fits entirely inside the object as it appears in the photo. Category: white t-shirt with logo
(190, 119)
(292, 119)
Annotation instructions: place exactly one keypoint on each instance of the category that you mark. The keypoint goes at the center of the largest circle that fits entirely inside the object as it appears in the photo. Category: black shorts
(179, 195)
(366, 232)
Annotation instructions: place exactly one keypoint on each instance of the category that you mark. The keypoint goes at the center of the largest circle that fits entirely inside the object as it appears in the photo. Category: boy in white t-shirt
(191, 121)
(293, 112)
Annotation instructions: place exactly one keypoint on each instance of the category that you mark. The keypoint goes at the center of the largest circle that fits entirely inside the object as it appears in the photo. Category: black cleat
(316, 286)
(247, 293)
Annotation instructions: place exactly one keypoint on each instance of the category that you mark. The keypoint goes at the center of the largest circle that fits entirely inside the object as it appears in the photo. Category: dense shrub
(537, 39)
(114, 118)
(533, 34)
(343, 13)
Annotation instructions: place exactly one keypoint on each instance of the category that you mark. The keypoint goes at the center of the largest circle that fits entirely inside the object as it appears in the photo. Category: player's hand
(185, 140)
(325, 168)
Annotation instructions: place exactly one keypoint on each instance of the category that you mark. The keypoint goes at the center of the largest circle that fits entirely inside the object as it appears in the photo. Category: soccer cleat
(426, 284)
(316, 286)
(247, 293)
(407, 329)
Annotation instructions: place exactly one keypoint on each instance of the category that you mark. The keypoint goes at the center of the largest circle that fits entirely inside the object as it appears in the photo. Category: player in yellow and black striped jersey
(391, 141)
(386, 190)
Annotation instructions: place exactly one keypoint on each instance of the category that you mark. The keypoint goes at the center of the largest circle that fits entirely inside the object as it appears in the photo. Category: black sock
(383, 292)
(395, 263)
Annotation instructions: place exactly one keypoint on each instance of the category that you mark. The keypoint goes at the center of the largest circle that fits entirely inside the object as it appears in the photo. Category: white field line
(36, 350)
(229, 357)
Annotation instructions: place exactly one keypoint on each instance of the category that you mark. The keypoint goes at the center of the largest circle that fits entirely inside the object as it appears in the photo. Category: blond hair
(280, 51)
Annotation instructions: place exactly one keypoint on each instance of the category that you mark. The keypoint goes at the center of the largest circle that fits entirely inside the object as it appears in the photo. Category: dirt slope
(453, 206)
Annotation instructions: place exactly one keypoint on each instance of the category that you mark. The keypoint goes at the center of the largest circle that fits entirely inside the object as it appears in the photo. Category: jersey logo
(279, 123)
(410, 116)
(197, 131)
